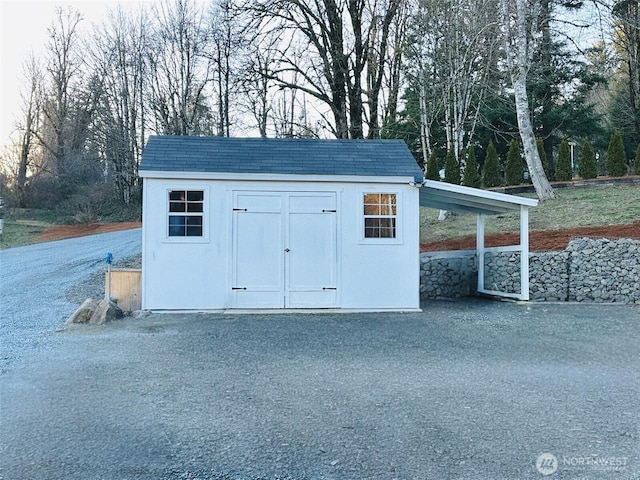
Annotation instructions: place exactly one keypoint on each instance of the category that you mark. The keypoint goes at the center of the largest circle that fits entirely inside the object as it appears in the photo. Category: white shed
(253, 223)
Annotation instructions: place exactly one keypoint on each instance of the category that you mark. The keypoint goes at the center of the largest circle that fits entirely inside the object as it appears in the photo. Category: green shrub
(471, 176)
(588, 167)
(543, 158)
(514, 170)
(452, 168)
(433, 170)
(491, 168)
(616, 158)
(564, 171)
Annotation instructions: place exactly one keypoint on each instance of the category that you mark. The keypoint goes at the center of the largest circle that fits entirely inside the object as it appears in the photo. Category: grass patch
(23, 226)
(573, 207)
(16, 233)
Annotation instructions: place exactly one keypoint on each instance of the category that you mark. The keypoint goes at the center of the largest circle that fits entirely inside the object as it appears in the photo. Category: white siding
(197, 273)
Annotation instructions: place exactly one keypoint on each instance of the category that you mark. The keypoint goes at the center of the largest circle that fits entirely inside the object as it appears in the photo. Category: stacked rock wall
(448, 274)
(604, 270)
(587, 271)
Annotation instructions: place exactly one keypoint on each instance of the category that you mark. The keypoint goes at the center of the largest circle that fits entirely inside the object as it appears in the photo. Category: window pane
(371, 227)
(194, 231)
(388, 198)
(177, 195)
(388, 228)
(372, 198)
(176, 226)
(386, 210)
(195, 196)
(371, 209)
(176, 220)
(176, 206)
(194, 221)
(194, 207)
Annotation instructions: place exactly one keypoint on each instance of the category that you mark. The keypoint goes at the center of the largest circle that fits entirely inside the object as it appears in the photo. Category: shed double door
(284, 250)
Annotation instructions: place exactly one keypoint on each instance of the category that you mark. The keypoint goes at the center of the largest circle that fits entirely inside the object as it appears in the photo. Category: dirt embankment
(68, 231)
(539, 241)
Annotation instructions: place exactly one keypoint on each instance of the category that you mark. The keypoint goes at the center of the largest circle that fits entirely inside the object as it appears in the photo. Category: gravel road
(35, 281)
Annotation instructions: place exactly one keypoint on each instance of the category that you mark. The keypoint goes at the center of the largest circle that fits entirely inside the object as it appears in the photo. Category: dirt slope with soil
(539, 241)
(68, 231)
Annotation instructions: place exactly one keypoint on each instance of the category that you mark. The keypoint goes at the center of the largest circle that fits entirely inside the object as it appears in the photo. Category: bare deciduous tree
(63, 67)
(120, 53)
(327, 45)
(31, 99)
(180, 68)
(456, 42)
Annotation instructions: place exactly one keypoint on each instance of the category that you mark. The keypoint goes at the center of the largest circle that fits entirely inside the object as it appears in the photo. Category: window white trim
(206, 201)
(399, 226)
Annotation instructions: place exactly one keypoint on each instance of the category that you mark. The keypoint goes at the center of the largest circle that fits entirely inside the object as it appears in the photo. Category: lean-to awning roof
(457, 198)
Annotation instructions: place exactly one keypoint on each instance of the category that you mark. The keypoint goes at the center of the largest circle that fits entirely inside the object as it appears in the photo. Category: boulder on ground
(106, 311)
(84, 312)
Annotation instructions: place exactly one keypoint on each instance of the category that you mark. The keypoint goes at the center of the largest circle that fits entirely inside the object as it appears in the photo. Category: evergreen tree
(451, 168)
(433, 171)
(636, 164)
(543, 158)
(587, 168)
(514, 170)
(564, 171)
(616, 161)
(471, 177)
(491, 169)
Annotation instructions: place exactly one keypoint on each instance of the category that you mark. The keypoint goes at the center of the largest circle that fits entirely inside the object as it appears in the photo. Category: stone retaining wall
(448, 274)
(587, 271)
(604, 270)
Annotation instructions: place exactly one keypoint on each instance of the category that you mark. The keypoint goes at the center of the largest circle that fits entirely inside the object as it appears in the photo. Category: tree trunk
(536, 171)
(519, 47)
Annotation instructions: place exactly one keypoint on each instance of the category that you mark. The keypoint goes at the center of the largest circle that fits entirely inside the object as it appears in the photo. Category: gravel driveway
(35, 281)
(464, 390)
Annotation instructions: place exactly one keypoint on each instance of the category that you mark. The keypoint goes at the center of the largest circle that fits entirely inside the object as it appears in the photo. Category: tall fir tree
(588, 167)
(433, 170)
(543, 158)
(452, 168)
(616, 157)
(491, 168)
(564, 172)
(636, 164)
(471, 176)
(514, 170)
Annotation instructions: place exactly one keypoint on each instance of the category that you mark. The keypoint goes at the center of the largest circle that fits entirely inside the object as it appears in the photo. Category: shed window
(186, 209)
(379, 215)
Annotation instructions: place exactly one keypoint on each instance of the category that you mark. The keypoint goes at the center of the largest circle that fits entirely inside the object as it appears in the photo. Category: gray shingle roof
(279, 156)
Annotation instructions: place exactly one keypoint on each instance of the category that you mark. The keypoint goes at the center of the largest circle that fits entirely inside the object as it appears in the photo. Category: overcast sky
(23, 27)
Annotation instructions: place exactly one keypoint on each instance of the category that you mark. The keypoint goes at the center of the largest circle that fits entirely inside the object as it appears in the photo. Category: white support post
(524, 252)
(480, 250)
